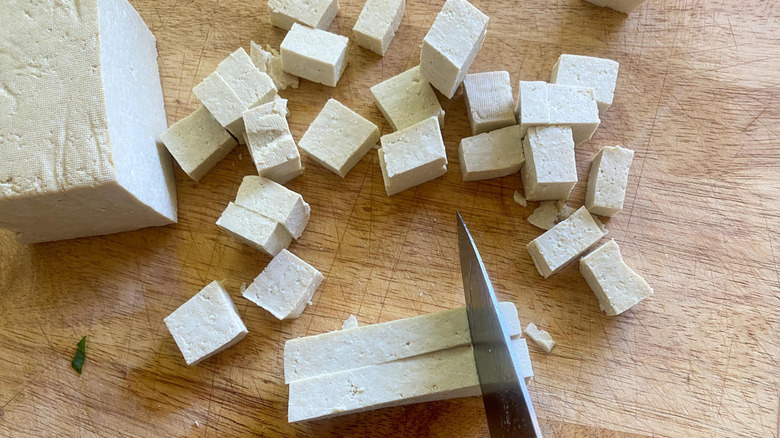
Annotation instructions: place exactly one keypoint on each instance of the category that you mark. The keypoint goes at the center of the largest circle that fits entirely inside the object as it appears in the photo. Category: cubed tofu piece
(206, 324)
(198, 142)
(377, 24)
(273, 148)
(314, 54)
(268, 61)
(624, 6)
(607, 180)
(586, 71)
(285, 286)
(252, 86)
(575, 107)
(338, 138)
(564, 242)
(223, 103)
(407, 99)
(533, 107)
(615, 284)
(412, 156)
(313, 13)
(489, 101)
(540, 337)
(276, 202)
(550, 170)
(254, 229)
(492, 154)
(451, 45)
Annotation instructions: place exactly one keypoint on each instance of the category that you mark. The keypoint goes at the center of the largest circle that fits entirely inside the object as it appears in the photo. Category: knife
(507, 403)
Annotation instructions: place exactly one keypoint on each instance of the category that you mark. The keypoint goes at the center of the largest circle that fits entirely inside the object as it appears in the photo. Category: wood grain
(698, 99)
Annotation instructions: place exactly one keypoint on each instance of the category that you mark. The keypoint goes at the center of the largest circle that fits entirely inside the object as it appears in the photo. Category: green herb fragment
(81, 353)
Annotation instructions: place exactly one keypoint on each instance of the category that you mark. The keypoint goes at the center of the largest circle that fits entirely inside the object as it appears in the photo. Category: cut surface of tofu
(273, 148)
(81, 108)
(206, 324)
(412, 156)
(615, 284)
(277, 106)
(550, 168)
(607, 180)
(198, 142)
(313, 13)
(285, 286)
(545, 215)
(254, 229)
(451, 45)
(492, 154)
(268, 61)
(252, 87)
(533, 108)
(222, 102)
(350, 323)
(407, 99)
(576, 107)
(338, 138)
(624, 6)
(520, 347)
(275, 201)
(540, 337)
(314, 54)
(377, 24)
(489, 101)
(586, 71)
(564, 242)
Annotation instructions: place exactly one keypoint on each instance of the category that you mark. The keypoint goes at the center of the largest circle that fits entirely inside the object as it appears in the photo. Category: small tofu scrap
(489, 101)
(412, 156)
(350, 323)
(564, 242)
(586, 71)
(491, 154)
(276, 202)
(545, 215)
(377, 24)
(312, 13)
(607, 180)
(575, 107)
(451, 45)
(272, 147)
(252, 86)
(407, 99)
(338, 138)
(540, 337)
(314, 54)
(615, 284)
(550, 169)
(268, 61)
(198, 142)
(222, 102)
(254, 229)
(624, 6)
(520, 199)
(285, 286)
(206, 324)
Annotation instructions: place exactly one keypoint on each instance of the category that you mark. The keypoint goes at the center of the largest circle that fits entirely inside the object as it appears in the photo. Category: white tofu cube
(407, 99)
(285, 286)
(564, 242)
(206, 324)
(540, 337)
(312, 13)
(575, 107)
(254, 229)
(268, 61)
(272, 147)
(222, 102)
(489, 101)
(607, 180)
(252, 86)
(550, 170)
(533, 108)
(615, 284)
(451, 45)
(338, 138)
(586, 71)
(377, 24)
(412, 156)
(492, 154)
(314, 54)
(276, 202)
(624, 6)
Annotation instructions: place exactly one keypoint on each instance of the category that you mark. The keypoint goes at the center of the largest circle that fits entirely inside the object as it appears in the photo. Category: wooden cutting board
(698, 99)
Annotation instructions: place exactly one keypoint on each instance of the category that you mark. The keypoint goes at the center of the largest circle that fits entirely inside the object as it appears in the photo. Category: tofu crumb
(519, 198)
(545, 215)
(600, 225)
(197, 424)
(565, 211)
(540, 337)
(243, 287)
(350, 323)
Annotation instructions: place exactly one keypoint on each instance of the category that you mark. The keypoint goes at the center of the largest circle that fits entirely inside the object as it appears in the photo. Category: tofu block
(545, 215)
(533, 108)
(285, 286)
(268, 61)
(451, 45)
(252, 87)
(81, 109)
(350, 323)
(519, 199)
(489, 101)
(223, 103)
(206, 324)
(273, 148)
(586, 71)
(198, 142)
(338, 138)
(407, 99)
(564, 242)
(412, 156)
(377, 24)
(313, 13)
(254, 229)
(492, 154)
(615, 284)
(575, 107)
(276, 202)
(624, 6)
(540, 337)
(607, 180)
(550, 169)
(314, 54)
